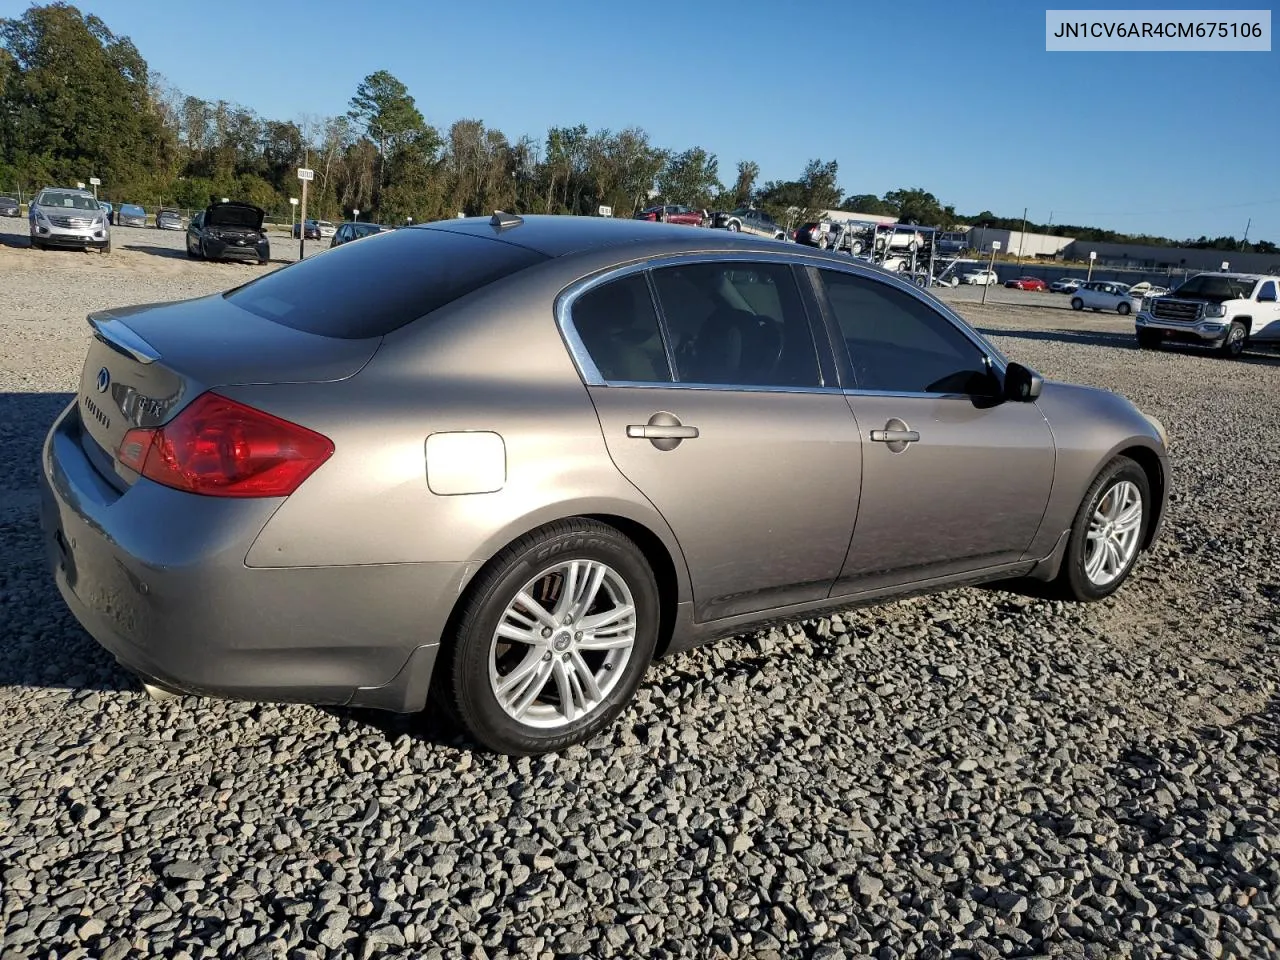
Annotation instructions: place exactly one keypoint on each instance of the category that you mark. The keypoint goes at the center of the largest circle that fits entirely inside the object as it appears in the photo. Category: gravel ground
(977, 774)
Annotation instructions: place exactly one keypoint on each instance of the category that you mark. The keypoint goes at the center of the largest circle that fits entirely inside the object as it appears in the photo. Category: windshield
(70, 201)
(1216, 289)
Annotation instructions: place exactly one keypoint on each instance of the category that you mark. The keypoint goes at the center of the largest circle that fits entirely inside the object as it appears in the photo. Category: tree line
(77, 100)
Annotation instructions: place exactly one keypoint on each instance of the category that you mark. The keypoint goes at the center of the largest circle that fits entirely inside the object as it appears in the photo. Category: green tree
(384, 110)
(76, 101)
(691, 178)
(744, 188)
(868, 203)
(917, 205)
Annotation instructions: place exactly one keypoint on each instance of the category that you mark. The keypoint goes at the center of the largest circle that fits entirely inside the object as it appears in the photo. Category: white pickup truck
(1221, 310)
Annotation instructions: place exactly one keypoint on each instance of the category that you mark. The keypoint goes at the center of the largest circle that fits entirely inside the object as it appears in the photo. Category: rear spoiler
(121, 338)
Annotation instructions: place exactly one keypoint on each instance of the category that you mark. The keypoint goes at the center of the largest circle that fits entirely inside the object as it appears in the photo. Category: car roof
(556, 235)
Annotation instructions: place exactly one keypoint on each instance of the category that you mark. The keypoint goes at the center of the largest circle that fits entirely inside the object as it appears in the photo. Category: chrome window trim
(582, 359)
(591, 374)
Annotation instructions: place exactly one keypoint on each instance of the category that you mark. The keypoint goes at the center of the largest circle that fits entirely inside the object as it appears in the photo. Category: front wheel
(553, 640)
(1237, 336)
(1148, 340)
(1108, 533)
(1123, 309)
(733, 227)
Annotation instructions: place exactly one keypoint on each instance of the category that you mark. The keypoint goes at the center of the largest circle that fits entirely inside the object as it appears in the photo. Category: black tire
(1072, 582)
(1148, 340)
(1237, 338)
(37, 245)
(462, 682)
(1077, 303)
(1123, 309)
(733, 227)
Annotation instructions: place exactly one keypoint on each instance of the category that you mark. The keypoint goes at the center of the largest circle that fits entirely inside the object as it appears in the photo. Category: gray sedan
(505, 463)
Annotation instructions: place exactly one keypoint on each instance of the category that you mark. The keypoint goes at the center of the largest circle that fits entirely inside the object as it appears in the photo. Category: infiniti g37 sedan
(506, 462)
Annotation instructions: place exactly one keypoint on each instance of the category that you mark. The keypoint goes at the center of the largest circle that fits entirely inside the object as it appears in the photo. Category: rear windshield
(369, 289)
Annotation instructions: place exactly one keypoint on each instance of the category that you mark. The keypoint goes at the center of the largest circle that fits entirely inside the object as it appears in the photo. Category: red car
(1027, 283)
(673, 213)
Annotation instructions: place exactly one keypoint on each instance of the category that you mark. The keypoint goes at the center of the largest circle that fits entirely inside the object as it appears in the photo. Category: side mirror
(1022, 384)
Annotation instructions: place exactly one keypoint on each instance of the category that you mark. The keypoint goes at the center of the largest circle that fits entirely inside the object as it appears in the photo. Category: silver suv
(63, 217)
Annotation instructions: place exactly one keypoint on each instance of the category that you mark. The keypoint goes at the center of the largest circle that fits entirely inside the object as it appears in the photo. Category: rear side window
(360, 290)
(618, 326)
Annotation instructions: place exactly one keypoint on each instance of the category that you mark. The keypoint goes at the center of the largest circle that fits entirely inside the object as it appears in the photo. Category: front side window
(738, 324)
(618, 327)
(899, 344)
(1268, 291)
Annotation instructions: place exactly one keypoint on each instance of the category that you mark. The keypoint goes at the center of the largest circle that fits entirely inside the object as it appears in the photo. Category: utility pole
(1022, 234)
(1245, 241)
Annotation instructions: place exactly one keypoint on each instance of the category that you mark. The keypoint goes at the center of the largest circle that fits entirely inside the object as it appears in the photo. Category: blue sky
(958, 98)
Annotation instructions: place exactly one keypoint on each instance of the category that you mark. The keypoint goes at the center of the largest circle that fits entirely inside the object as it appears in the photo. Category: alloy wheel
(562, 644)
(1114, 529)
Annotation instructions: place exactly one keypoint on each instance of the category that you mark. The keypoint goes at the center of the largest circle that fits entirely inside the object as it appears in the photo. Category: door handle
(661, 431)
(895, 436)
(664, 430)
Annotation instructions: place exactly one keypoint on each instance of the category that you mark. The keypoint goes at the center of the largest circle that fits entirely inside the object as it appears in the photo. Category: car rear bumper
(1207, 332)
(158, 578)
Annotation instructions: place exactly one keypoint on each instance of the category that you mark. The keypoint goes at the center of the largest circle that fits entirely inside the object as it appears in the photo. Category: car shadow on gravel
(165, 252)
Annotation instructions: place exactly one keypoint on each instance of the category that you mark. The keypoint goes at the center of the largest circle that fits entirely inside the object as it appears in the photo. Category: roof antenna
(501, 220)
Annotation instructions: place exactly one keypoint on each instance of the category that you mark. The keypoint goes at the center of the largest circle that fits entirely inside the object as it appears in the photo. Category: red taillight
(220, 448)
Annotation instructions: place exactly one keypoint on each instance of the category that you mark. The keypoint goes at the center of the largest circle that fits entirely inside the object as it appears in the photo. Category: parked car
(815, 233)
(169, 219)
(672, 213)
(354, 230)
(325, 228)
(981, 278)
(229, 231)
(1098, 295)
(65, 217)
(747, 220)
(312, 229)
(1027, 283)
(1226, 311)
(1065, 285)
(1144, 289)
(559, 532)
(110, 211)
(9, 207)
(131, 215)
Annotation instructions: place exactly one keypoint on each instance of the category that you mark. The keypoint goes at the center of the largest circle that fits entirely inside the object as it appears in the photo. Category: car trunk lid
(145, 363)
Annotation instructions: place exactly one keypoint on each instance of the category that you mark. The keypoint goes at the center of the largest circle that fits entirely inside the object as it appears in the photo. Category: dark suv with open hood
(225, 231)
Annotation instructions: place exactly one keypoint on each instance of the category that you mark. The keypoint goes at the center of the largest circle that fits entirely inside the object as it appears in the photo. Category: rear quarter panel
(494, 361)
(1090, 427)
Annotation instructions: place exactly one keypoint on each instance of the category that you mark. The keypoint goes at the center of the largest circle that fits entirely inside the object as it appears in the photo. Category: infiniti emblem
(104, 380)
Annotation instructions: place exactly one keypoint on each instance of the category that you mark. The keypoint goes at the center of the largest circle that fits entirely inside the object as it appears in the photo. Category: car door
(1266, 320)
(726, 418)
(953, 479)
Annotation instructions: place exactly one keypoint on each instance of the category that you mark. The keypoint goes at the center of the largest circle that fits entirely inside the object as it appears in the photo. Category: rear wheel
(1237, 337)
(553, 640)
(733, 227)
(1108, 533)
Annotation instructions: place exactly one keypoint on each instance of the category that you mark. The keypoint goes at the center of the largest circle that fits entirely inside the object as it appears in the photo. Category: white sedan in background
(1107, 295)
(981, 278)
